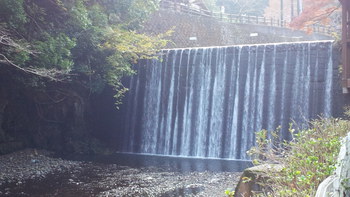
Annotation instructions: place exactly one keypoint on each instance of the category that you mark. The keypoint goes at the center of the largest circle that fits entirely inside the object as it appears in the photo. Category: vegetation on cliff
(56, 58)
(93, 42)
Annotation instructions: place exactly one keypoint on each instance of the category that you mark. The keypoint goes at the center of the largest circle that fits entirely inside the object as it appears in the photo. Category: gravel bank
(152, 182)
(31, 164)
(35, 173)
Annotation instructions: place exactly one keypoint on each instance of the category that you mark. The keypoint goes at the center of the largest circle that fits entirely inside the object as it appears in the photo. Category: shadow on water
(176, 164)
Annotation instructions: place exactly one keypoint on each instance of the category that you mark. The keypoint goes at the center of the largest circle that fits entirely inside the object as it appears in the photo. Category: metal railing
(242, 19)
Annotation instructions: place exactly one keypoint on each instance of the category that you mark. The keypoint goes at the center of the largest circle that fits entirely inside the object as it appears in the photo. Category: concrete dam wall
(209, 102)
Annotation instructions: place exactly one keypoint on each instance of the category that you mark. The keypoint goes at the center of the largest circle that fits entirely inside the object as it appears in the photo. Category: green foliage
(97, 17)
(13, 13)
(137, 11)
(130, 13)
(129, 46)
(134, 46)
(80, 15)
(308, 159)
(97, 40)
(230, 193)
(54, 52)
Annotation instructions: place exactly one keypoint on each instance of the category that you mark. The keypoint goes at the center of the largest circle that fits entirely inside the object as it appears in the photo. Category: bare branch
(326, 14)
(6, 40)
(51, 74)
(315, 13)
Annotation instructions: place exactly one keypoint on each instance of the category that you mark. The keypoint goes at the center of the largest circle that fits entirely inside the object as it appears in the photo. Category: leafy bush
(307, 160)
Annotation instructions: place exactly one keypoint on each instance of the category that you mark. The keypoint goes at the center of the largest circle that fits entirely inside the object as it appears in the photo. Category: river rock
(252, 179)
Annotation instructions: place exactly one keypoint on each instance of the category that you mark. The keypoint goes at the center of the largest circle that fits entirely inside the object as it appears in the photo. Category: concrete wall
(212, 32)
(208, 102)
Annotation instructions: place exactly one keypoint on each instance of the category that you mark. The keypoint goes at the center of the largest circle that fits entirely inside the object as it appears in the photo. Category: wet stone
(58, 177)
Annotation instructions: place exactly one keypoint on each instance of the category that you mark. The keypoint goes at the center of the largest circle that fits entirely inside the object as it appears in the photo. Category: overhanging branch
(51, 74)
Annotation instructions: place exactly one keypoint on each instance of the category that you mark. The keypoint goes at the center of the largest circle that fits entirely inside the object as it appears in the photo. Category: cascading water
(208, 102)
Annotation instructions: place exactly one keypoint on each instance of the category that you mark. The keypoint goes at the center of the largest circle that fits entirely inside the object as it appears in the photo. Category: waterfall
(209, 102)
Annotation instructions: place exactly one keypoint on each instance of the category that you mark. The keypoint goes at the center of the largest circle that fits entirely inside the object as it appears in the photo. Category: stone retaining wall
(199, 31)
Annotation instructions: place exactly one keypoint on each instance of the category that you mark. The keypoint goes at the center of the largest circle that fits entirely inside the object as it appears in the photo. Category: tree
(94, 42)
(326, 12)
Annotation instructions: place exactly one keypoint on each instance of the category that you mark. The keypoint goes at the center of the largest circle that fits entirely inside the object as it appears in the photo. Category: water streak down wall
(208, 102)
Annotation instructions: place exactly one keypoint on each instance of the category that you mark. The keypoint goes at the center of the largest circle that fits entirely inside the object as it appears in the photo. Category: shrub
(230, 193)
(307, 159)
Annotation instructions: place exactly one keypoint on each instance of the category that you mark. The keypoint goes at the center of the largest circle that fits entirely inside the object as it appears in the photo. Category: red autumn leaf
(315, 11)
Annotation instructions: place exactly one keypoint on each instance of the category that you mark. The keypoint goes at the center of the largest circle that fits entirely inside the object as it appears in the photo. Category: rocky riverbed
(38, 173)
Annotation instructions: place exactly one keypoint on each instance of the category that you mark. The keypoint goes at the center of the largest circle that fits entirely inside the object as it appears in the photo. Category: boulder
(253, 178)
(326, 188)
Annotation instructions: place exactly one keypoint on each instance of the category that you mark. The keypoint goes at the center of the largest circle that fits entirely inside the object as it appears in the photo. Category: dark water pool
(178, 164)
